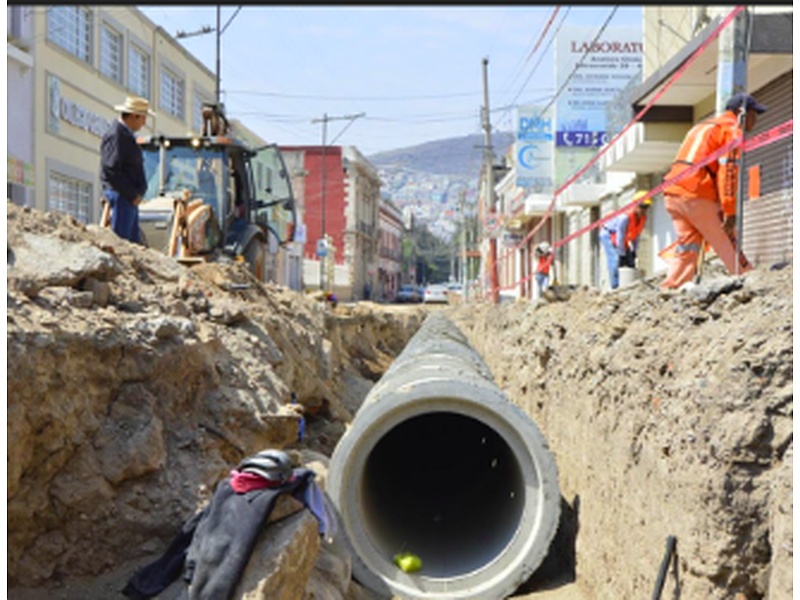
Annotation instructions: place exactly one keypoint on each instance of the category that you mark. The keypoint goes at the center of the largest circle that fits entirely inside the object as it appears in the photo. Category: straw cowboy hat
(136, 106)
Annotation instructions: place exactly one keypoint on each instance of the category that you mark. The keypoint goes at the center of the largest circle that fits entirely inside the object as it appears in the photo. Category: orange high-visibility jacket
(718, 180)
(633, 225)
(543, 263)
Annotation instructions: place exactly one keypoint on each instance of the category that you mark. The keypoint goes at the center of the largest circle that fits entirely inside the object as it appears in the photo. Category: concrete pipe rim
(520, 554)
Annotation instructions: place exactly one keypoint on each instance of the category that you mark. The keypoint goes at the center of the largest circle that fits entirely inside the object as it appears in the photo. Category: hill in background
(460, 156)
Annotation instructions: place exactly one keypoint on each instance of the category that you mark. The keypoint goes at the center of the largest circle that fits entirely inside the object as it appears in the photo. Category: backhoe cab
(211, 196)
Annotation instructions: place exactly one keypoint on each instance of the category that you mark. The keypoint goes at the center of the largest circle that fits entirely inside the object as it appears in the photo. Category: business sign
(77, 115)
(594, 72)
(533, 148)
(589, 74)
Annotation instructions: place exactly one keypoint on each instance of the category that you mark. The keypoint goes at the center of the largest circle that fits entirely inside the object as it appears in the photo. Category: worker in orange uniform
(544, 258)
(703, 204)
(620, 236)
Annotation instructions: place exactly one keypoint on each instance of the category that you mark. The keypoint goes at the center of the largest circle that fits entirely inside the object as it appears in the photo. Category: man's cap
(135, 106)
(644, 200)
(737, 100)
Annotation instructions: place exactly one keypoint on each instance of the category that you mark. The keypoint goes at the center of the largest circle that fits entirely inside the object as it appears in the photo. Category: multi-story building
(68, 66)
(694, 45)
(88, 59)
(341, 198)
(19, 124)
(694, 49)
(390, 252)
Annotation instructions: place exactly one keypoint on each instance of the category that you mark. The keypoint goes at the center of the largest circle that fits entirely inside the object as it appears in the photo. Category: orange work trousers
(696, 220)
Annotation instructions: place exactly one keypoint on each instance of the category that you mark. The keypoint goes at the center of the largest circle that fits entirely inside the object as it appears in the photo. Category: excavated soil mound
(135, 384)
(670, 414)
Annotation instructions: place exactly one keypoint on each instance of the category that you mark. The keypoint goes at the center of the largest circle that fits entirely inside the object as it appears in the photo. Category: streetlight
(219, 31)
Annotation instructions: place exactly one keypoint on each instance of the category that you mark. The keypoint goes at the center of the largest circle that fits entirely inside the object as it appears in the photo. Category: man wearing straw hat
(122, 167)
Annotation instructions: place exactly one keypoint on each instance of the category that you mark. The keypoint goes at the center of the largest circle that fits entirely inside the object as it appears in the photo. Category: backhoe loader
(212, 197)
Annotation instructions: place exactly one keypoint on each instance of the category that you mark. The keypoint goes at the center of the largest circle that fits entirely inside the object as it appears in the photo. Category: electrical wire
(355, 98)
(513, 103)
(579, 62)
(519, 68)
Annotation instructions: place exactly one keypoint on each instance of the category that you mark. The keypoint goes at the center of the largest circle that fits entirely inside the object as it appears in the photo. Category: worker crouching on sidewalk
(702, 205)
(620, 237)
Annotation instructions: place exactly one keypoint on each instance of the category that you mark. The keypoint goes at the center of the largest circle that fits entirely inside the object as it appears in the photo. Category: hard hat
(643, 198)
(273, 465)
(543, 247)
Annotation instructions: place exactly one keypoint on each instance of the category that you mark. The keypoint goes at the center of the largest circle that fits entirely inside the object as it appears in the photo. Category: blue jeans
(541, 282)
(612, 258)
(124, 216)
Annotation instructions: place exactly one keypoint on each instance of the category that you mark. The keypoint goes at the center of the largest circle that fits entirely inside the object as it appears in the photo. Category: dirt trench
(135, 384)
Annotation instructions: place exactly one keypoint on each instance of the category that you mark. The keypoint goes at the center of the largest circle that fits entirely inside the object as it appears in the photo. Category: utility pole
(218, 31)
(489, 158)
(219, 37)
(322, 242)
(734, 45)
(463, 204)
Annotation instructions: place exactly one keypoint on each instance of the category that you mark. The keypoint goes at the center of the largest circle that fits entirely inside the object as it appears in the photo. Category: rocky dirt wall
(669, 413)
(135, 384)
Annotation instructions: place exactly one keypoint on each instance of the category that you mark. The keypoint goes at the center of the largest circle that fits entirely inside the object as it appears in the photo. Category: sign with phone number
(581, 139)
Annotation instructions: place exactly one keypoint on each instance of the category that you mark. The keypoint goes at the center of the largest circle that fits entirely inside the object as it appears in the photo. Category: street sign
(322, 247)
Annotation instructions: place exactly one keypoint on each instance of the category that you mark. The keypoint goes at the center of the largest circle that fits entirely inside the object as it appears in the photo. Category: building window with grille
(111, 53)
(171, 97)
(138, 71)
(70, 27)
(69, 195)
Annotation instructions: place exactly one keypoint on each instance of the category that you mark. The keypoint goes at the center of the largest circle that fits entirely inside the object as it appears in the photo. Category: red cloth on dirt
(243, 482)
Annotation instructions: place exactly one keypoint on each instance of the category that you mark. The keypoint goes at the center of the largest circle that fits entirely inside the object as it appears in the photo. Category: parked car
(434, 293)
(454, 288)
(408, 293)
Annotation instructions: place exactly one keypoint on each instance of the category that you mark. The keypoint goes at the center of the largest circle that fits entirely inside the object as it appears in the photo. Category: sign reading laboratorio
(594, 71)
(534, 148)
(63, 109)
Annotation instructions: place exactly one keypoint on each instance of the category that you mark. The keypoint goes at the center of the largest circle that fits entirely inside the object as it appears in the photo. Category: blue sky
(414, 71)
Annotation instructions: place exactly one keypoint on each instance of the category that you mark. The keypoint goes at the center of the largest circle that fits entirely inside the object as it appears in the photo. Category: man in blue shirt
(620, 237)
(122, 167)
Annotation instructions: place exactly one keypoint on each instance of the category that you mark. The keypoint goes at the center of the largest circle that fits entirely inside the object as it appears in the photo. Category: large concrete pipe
(439, 463)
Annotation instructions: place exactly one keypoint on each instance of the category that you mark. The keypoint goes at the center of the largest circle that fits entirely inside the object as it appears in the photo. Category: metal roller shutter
(767, 219)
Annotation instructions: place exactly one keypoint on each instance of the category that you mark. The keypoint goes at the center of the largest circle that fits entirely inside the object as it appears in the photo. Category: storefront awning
(650, 145)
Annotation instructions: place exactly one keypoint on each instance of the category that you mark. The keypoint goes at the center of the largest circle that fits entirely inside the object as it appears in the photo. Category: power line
(542, 55)
(579, 62)
(355, 98)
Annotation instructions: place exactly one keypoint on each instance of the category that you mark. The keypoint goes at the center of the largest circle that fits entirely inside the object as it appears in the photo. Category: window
(171, 97)
(138, 71)
(71, 196)
(70, 27)
(111, 53)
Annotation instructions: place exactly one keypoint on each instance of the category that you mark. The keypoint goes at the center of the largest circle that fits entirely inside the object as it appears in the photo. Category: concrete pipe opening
(438, 463)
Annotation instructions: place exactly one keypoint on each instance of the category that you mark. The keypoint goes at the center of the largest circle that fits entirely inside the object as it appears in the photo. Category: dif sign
(534, 148)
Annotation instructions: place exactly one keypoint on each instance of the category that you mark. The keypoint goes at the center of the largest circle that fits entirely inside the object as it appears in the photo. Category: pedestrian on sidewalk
(702, 205)
(620, 236)
(122, 167)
